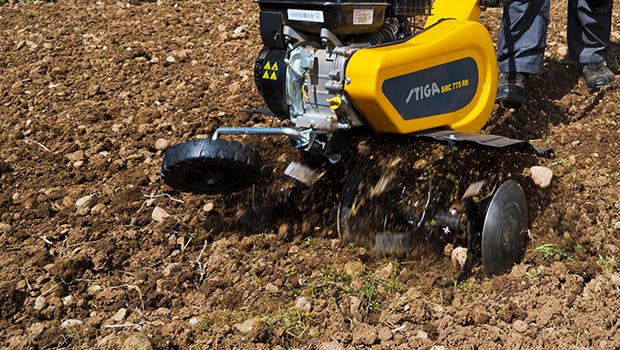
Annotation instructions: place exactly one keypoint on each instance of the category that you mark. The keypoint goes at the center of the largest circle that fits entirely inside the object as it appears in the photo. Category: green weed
(556, 252)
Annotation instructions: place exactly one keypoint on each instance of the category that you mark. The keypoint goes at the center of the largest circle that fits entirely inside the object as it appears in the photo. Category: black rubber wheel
(208, 166)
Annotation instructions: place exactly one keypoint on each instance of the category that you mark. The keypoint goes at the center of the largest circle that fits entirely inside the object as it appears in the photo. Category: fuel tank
(443, 77)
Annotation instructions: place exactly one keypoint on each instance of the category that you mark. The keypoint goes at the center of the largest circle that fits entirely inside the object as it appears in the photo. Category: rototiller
(328, 67)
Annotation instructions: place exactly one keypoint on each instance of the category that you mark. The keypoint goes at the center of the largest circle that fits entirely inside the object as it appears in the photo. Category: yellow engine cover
(443, 77)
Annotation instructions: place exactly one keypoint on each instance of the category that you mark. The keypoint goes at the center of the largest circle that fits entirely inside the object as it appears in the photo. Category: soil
(98, 253)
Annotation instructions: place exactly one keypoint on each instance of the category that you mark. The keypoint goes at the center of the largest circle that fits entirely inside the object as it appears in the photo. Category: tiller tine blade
(398, 244)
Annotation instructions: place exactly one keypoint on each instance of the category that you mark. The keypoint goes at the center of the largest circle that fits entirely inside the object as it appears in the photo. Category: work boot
(512, 88)
(597, 74)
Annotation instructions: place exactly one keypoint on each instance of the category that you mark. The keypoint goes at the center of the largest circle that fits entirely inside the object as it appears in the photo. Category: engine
(393, 66)
(300, 70)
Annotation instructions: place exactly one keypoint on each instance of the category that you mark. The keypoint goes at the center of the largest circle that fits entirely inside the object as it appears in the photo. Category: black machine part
(208, 166)
(504, 234)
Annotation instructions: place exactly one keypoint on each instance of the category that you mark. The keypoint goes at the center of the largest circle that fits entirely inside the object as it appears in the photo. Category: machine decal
(441, 89)
(270, 70)
(363, 16)
(305, 15)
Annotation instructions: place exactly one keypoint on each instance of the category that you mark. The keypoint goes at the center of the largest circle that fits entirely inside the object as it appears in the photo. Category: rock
(159, 214)
(40, 303)
(208, 207)
(271, 288)
(385, 271)
(162, 144)
(519, 326)
(194, 321)
(68, 300)
(541, 175)
(458, 257)
(137, 341)
(84, 204)
(246, 326)
(421, 335)
(120, 315)
(75, 156)
(354, 268)
(97, 209)
(303, 304)
(94, 289)
(70, 323)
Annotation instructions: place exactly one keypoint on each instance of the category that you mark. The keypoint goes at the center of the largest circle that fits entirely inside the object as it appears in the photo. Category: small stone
(293, 250)
(303, 304)
(385, 271)
(170, 59)
(120, 315)
(354, 268)
(421, 335)
(159, 214)
(137, 341)
(519, 326)
(75, 156)
(161, 144)
(68, 300)
(246, 326)
(208, 207)
(40, 303)
(541, 175)
(94, 289)
(97, 209)
(271, 288)
(84, 204)
(458, 257)
(71, 323)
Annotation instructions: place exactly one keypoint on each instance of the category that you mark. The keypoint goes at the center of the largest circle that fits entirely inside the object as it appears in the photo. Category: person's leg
(589, 27)
(520, 46)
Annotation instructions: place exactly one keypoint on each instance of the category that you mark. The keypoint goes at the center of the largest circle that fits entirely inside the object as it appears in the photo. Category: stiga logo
(421, 92)
(437, 90)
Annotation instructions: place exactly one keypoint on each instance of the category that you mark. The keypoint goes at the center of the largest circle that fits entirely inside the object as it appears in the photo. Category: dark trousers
(523, 33)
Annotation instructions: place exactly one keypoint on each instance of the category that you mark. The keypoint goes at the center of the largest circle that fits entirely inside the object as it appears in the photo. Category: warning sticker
(269, 71)
(362, 16)
(305, 15)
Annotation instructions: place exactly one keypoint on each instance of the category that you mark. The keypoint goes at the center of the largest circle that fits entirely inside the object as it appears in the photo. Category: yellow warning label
(273, 67)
